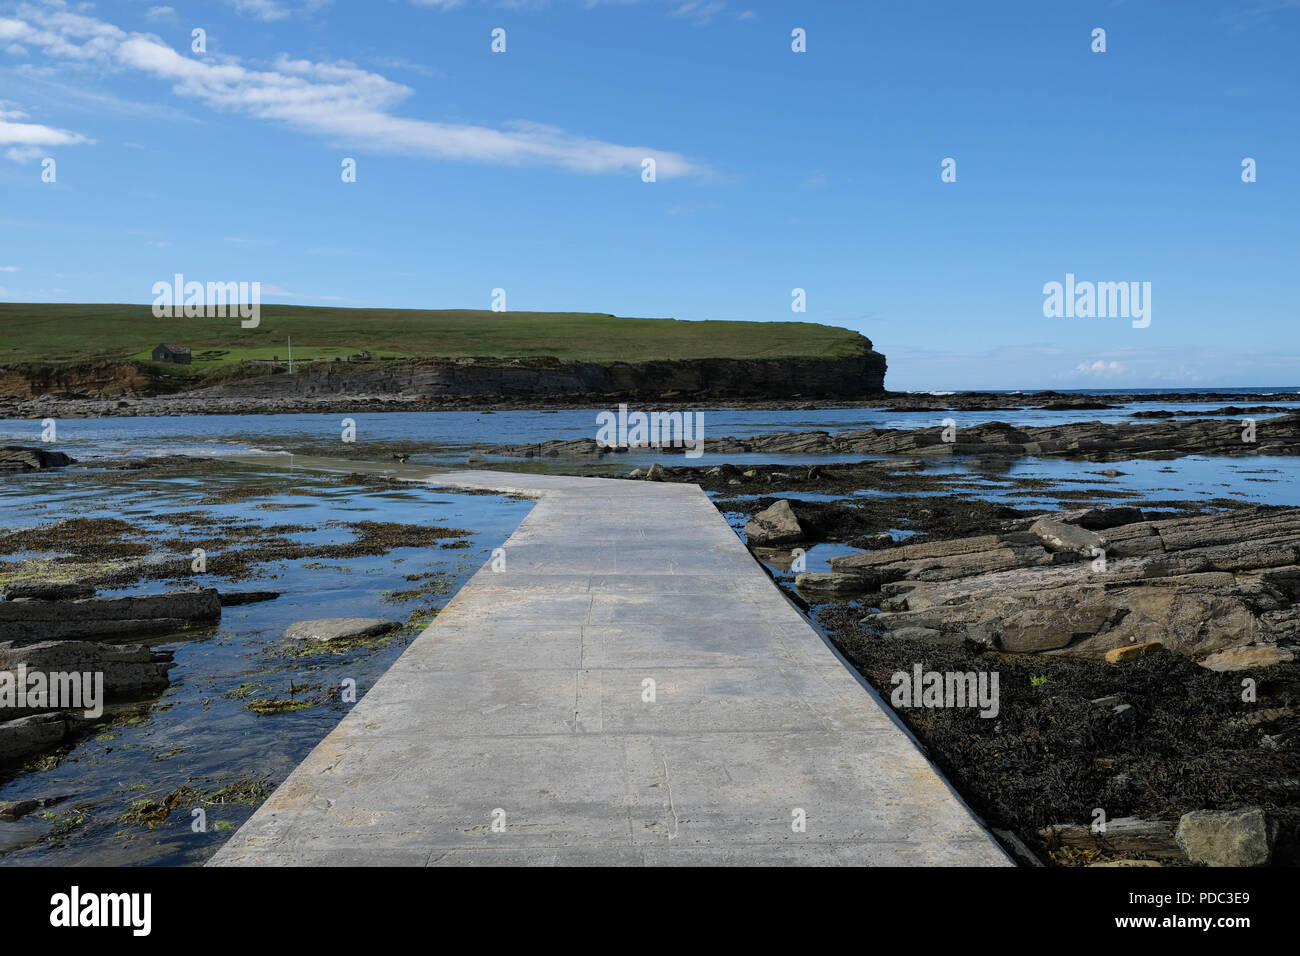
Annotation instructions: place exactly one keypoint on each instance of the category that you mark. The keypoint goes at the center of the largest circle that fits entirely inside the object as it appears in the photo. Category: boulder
(1226, 837)
(775, 524)
(339, 629)
(1068, 538)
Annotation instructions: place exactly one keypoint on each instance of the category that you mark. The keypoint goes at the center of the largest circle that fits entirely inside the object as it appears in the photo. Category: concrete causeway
(514, 729)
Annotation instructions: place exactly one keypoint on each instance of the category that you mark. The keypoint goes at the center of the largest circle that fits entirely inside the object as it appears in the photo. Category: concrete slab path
(517, 728)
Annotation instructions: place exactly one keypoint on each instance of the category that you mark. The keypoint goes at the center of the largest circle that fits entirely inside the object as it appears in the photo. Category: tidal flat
(244, 705)
(282, 504)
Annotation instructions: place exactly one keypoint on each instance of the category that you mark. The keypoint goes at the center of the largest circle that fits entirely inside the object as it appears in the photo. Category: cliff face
(848, 377)
(541, 378)
(98, 380)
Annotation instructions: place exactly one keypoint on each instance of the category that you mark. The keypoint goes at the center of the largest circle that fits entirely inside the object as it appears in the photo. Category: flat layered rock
(1199, 585)
(1249, 657)
(129, 671)
(28, 736)
(47, 592)
(71, 619)
(339, 629)
(1090, 441)
(19, 458)
(833, 583)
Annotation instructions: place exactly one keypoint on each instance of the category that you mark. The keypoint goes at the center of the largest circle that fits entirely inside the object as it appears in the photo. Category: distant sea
(1185, 390)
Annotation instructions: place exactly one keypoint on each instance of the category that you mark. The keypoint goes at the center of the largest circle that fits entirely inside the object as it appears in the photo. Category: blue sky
(775, 169)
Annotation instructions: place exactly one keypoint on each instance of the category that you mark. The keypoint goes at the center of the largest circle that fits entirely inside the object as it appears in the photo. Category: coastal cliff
(482, 378)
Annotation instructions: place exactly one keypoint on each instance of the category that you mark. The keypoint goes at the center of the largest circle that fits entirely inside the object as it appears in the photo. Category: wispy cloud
(699, 11)
(1254, 12)
(271, 289)
(267, 10)
(350, 105)
(28, 141)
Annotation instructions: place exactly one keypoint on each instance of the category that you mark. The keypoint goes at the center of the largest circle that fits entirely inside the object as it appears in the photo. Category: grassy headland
(78, 333)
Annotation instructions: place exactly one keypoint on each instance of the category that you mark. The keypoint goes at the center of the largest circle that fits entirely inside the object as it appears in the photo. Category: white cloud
(1099, 367)
(161, 13)
(28, 141)
(349, 105)
(9, 269)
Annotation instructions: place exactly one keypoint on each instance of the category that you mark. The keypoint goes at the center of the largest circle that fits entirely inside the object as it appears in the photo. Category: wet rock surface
(20, 458)
(339, 629)
(29, 619)
(128, 671)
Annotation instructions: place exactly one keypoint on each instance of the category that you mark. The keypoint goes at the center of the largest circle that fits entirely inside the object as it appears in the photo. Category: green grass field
(62, 334)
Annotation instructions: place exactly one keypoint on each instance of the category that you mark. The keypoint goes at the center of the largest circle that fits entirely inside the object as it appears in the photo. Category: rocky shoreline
(1149, 653)
(73, 404)
(1122, 627)
(1086, 441)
